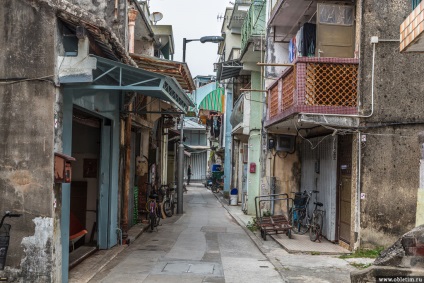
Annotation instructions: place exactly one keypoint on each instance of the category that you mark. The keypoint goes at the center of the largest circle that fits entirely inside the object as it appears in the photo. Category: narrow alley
(205, 244)
(210, 243)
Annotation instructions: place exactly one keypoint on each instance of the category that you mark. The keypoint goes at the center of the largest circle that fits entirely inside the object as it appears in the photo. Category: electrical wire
(44, 78)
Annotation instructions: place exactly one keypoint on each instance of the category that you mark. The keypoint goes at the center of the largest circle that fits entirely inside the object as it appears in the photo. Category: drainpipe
(419, 218)
(180, 169)
(132, 15)
(358, 197)
(374, 41)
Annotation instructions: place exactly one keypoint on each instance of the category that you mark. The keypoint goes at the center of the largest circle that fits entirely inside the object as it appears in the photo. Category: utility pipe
(180, 169)
(275, 64)
(132, 15)
(358, 194)
(372, 93)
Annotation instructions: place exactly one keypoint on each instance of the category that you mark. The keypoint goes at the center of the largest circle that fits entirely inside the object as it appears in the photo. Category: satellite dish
(156, 17)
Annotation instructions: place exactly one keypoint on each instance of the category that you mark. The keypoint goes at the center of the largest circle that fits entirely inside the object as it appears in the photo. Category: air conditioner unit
(286, 143)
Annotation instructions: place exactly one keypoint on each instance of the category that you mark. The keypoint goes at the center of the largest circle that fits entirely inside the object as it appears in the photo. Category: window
(415, 3)
(336, 14)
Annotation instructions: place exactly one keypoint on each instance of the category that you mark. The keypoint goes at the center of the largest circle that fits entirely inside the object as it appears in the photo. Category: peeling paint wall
(115, 16)
(390, 154)
(28, 31)
(36, 263)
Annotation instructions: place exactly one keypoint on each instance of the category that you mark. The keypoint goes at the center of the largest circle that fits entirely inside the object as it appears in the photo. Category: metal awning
(213, 101)
(177, 70)
(229, 69)
(112, 75)
(196, 148)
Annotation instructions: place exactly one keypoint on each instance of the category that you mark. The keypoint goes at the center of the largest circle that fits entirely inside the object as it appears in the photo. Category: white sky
(193, 19)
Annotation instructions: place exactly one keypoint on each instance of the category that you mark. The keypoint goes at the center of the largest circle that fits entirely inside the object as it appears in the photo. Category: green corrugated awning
(112, 75)
(213, 100)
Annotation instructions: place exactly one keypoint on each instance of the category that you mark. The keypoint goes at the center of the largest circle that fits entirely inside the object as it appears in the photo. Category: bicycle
(4, 237)
(154, 212)
(300, 219)
(169, 201)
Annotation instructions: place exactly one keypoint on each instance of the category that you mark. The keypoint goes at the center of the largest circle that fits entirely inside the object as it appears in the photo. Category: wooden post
(126, 192)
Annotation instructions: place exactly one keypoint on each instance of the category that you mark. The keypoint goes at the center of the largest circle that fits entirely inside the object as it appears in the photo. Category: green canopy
(213, 100)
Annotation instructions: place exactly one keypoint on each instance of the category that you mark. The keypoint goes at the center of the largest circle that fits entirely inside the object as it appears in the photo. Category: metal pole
(181, 169)
(184, 48)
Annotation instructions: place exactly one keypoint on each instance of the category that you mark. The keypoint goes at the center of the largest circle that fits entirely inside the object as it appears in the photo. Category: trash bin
(4, 244)
(234, 196)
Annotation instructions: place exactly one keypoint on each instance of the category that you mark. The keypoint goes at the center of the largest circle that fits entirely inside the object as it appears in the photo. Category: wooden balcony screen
(315, 85)
(331, 84)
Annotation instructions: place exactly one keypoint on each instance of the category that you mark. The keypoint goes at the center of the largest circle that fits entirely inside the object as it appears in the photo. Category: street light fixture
(204, 39)
(213, 39)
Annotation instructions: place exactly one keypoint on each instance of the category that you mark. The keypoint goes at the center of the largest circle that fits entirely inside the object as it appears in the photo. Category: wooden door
(335, 31)
(345, 188)
(345, 208)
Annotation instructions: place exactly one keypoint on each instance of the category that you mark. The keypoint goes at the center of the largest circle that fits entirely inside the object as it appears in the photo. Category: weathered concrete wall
(390, 155)
(27, 33)
(115, 16)
(390, 166)
(287, 171)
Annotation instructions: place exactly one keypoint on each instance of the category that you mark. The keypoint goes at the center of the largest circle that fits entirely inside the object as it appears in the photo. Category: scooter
(4, 237)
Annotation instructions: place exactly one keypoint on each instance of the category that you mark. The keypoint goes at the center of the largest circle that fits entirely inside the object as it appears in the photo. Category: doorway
(86, 186)
(344, 188)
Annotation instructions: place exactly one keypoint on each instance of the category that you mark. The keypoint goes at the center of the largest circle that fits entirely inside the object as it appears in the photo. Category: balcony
(314, 86)
(254, 25)
(412, 29)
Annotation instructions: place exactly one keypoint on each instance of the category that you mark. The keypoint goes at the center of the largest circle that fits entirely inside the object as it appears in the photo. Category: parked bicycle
(169, 200)
(301, 220)
(4, 237)
(154, 211)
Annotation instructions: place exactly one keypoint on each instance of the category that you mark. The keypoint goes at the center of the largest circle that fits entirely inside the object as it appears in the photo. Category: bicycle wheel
(316, 226)
(303, 223)
(173, 206)
(158, 216)
(299, 221)
(167, 208)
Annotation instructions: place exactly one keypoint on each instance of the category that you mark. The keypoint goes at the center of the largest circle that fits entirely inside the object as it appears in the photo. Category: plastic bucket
(234, 196)
(233, 199)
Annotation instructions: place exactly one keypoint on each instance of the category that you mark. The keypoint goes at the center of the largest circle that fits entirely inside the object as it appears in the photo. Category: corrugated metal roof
(177, 70)
(213, 101)
(191, 124)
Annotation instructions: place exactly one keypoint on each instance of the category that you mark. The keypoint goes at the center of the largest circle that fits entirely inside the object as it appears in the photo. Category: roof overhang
(196, 148)
(229, 69)
(177, 70)
(286, 14)
(112, 75)
(252, 53)
(293, 124)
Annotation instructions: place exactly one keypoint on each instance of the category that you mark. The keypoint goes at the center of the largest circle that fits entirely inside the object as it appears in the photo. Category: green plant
(266, 213)
(252, 226)
(226, 195)
(360, 265)
(364, 253)
(315, 253)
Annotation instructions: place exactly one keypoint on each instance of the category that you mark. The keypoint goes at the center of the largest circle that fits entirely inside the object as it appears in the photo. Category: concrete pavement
(205, 244)
(209, 244)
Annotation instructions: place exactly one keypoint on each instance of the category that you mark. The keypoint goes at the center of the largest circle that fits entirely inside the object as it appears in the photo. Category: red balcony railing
(314, 85)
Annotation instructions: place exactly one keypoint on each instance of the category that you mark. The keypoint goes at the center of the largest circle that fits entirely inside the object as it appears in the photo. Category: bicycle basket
(300, 200)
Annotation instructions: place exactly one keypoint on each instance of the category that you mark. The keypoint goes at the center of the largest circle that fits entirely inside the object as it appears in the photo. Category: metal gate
(198, 162)
(319, 172)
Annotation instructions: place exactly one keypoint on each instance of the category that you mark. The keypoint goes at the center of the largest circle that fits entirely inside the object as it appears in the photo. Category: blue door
(104, 186)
